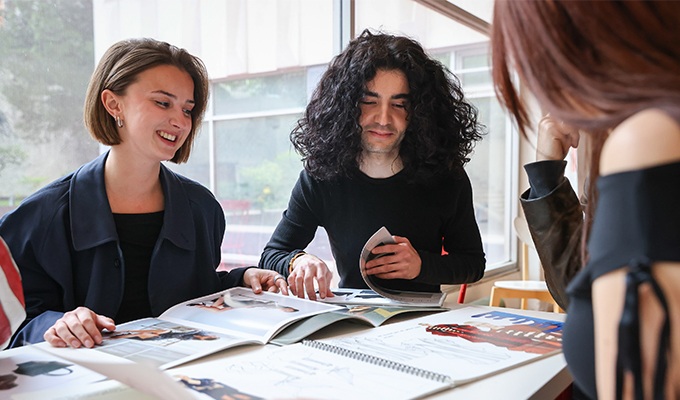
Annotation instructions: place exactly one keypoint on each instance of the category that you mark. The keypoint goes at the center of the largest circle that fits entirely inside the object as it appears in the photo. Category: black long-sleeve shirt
(433, 215)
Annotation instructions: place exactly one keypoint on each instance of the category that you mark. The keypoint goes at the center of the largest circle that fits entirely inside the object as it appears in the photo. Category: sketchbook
(200, 327)
(481, 340)
(367, 315)
(380, 295)
(405, 360)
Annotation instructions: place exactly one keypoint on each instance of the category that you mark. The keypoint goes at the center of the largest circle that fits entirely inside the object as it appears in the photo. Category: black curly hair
(442, 125)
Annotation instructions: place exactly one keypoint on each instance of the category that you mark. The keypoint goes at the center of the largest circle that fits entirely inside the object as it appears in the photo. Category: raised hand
(554, 139)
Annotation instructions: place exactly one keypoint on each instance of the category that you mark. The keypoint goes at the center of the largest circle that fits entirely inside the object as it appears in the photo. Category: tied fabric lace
(629, 358)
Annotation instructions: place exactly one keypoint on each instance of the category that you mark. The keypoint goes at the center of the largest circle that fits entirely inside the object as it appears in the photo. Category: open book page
(26, 370)
(368, 315)
(423, 299)
(205, 325)
(240, 312)
(299, 371)
(465, 344)
(368, 297)
(104, 390)
(142, 376)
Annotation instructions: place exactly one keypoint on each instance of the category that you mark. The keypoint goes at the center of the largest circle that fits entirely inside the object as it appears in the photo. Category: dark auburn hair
(442, 125)
(119, 68)
(590, 64)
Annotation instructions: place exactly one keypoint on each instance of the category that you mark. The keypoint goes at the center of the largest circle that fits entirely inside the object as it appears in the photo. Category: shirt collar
(92, 220)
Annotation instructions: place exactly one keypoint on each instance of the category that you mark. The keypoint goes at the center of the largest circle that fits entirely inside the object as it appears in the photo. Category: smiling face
(384, 113)
(156, 112)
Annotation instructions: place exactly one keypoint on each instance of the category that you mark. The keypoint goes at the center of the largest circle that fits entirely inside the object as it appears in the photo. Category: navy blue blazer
(64, 240)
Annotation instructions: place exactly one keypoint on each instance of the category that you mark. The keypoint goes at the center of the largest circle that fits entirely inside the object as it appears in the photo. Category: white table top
(542, 379)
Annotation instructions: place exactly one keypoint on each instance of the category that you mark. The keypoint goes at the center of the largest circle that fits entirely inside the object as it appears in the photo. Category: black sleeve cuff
(544, 176)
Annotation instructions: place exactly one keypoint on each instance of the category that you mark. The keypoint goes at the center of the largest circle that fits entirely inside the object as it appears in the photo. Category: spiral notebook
(405, 360)
(309, 370)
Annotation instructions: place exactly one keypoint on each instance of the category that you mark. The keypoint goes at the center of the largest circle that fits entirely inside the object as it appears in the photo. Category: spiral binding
(408, 369)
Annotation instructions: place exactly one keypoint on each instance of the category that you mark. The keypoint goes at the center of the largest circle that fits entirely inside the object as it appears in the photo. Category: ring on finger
(279, 277)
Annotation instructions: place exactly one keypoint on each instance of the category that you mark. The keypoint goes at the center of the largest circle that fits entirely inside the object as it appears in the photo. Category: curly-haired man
(384, 140)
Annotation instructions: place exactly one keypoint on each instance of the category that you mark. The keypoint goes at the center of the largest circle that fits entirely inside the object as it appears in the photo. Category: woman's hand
(262, 279)
(554, 139)
(78, 328)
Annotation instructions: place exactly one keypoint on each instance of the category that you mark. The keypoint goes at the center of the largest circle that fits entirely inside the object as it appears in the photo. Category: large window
(465, 52)
(46, 58)
(264, 58)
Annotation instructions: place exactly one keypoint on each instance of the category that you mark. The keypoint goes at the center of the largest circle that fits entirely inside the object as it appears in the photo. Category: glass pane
(473, 70)
(265, 94)
(480, 9)
(475, 61)
(46, 58)
(199, 167)
(255, 160)
(466, 53)
(487, 170)
(264, 58)
(255, 171)
(430, 28)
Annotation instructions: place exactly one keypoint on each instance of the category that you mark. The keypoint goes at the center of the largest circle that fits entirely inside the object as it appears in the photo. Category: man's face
(384, 113)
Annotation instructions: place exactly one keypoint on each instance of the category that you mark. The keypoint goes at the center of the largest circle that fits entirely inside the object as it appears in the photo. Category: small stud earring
(119, 121)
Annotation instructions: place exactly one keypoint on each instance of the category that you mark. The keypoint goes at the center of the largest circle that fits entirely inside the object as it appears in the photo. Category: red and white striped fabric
(12, 307)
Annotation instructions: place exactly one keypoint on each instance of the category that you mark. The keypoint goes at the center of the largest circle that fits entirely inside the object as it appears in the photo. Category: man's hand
(307, 269)
(77, 328)
(555, 139)
(262, 279)
(395, 261)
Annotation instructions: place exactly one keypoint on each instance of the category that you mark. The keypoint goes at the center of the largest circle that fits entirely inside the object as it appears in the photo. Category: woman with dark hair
(608, 69)
(383, 140)
(124, 237)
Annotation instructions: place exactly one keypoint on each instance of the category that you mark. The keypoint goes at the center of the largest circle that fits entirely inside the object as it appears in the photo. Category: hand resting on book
(82, 327)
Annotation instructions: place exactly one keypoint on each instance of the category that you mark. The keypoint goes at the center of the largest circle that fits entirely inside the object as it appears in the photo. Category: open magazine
(202, 326)
(380, 295)
(405, 360)
(367, 315)
(26, 370)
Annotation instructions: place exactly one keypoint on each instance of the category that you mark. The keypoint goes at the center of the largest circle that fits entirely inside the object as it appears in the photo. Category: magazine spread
(369, 315)
(408, 359)
(202, 326)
